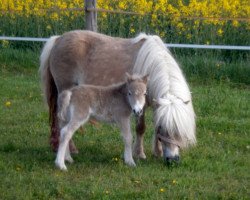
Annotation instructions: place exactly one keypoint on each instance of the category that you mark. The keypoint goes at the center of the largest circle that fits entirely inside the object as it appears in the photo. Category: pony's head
(172, 133)
(170, 147)
(136, 92)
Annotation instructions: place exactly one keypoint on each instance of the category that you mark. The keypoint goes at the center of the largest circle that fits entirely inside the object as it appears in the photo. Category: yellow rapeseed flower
(122, 5)
(235, 23)
(220, 32)
(132, 30)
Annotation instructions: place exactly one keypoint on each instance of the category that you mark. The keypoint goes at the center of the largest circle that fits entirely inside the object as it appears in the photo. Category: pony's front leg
(140, 130)
(157, 146)
(127, 138)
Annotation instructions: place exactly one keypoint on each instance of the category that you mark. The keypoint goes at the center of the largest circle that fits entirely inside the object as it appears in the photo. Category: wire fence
(193, 46)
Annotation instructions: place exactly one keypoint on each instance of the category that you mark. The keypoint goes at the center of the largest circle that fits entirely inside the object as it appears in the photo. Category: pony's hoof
(72, 147)
(139, 154)
(142, 156)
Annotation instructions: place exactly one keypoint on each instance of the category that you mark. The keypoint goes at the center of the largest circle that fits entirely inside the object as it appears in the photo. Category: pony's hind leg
(140, 130)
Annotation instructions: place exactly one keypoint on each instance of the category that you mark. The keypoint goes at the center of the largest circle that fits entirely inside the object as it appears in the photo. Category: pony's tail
(49, 90)
(47, 82)
(63, 104)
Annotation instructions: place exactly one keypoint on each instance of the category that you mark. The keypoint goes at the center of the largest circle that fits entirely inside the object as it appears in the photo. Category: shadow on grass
(89, 154)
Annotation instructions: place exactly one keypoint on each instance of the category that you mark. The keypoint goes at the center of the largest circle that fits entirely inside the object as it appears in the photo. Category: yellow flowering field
(176, 21)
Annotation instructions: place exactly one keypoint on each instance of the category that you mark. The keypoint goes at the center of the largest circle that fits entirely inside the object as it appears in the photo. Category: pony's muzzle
(172, 160)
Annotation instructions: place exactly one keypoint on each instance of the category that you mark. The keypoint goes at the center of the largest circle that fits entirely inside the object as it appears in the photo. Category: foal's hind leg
(55, 134)
(65, 136)
(67, 154)
(140, 130)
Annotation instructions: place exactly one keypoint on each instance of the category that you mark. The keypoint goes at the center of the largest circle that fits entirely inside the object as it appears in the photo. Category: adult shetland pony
(84, 57)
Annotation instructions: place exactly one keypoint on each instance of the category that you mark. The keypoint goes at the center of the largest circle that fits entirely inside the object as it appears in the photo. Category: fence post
(90, 16)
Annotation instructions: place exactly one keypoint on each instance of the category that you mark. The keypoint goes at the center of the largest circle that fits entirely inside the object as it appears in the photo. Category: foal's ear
(145, 78)
(128, 77)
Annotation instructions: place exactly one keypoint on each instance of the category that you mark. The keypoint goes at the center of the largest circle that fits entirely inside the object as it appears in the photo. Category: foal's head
(136, 92)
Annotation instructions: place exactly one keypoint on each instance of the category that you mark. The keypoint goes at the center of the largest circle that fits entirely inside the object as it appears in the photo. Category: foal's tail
(48, 85)
(63, 105)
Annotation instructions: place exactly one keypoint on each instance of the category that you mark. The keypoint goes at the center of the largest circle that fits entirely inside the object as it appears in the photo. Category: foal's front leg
(140, 130)
(127, 138)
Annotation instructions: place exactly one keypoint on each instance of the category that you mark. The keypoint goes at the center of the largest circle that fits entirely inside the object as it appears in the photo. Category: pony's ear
(161, 102)
(145, 78)
(128, 77)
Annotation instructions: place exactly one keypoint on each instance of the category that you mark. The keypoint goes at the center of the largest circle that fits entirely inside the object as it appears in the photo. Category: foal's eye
(129, 93)
(145, 93)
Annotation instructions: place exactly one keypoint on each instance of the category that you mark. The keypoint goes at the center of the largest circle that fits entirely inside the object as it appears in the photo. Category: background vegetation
(171, 19)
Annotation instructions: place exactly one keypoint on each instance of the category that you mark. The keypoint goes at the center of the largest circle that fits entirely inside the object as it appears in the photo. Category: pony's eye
(145, 93)
(129, 93)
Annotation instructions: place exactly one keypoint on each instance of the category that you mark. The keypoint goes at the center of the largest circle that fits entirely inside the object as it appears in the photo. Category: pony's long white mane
(168, 87)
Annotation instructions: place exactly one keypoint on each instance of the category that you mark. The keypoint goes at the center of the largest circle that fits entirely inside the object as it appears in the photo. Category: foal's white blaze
(138, 107)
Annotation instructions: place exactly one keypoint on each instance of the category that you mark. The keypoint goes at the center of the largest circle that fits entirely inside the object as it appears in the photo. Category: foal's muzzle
(138, 112)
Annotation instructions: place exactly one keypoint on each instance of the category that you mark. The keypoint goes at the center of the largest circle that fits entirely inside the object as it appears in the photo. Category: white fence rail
(193, 46)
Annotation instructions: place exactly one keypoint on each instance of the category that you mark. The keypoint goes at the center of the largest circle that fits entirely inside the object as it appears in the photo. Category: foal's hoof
(61, 166)
(130, 163)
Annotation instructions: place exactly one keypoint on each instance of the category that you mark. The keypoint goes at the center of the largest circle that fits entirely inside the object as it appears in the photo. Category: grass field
(217, 168)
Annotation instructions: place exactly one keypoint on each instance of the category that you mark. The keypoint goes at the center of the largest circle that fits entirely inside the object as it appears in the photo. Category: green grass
(217, 168)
